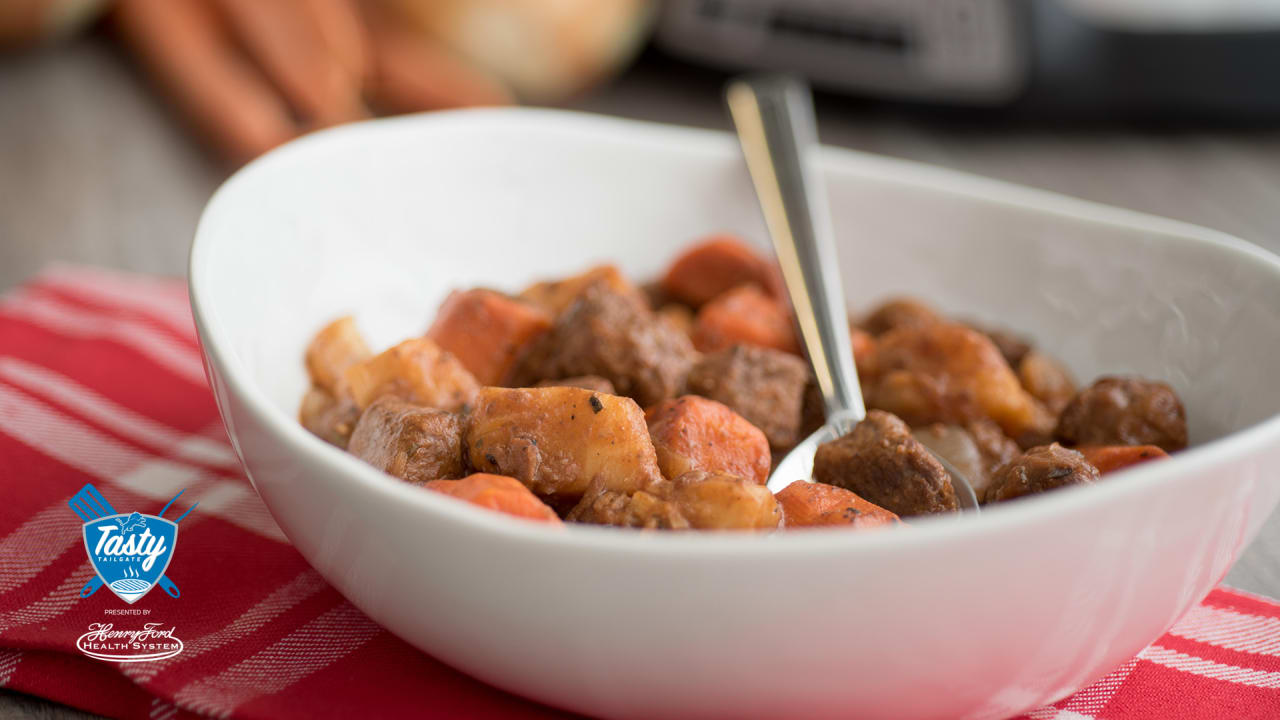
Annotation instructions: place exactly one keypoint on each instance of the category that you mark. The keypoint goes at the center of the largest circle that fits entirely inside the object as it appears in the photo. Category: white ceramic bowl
(956, 617)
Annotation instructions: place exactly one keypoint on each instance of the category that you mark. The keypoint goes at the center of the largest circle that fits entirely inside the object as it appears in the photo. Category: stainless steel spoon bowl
(776, 128)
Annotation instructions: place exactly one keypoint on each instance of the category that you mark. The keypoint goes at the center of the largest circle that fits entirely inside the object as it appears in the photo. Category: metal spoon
(779, 138)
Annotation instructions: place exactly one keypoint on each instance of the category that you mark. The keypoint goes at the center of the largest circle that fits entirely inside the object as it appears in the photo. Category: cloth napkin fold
(101, 383)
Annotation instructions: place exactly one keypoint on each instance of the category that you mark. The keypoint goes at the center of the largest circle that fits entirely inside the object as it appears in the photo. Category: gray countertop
(95, 169)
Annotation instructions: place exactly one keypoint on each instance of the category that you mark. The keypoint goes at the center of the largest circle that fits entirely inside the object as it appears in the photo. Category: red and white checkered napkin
(101, 382)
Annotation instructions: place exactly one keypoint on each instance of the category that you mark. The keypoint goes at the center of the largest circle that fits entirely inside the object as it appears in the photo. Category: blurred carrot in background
(251, 74)
(26, 22)
(194, 61)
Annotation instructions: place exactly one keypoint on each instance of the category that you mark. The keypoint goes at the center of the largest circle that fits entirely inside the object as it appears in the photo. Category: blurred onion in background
(545, 50)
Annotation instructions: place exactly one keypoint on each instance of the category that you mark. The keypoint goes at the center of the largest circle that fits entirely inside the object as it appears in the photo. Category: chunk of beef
(813, 409)
(764, 386)
(615, 337)
(327, 416)
(1043, 468)
(900, 313)
(409, 441)
(1125, 411)
(881, 462)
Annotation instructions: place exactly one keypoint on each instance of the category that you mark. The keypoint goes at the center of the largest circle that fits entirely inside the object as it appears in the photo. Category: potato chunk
(497, 492)
(746, 316)
(1011, 345)
(678, 316)
(696, 499)
(975, 450)
(1047, 380)
(327, 416)
(716, 265)
(954, 444)
(805, 504)
(694, 433)
(335, 348)
(717, 501)
(416, 370)
(558, 440)
(487, 331)
(408, 441)
(953, 374)
(595, 383)
(556, 296)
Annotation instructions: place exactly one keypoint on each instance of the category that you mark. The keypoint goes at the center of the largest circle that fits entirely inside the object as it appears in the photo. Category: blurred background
(118, 118)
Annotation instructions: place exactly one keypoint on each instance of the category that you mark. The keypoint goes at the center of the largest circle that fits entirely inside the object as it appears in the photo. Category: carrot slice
(1109, 458)
(183, 46)
(342, 31)
(806, 504)
(745, 316)
(487, 331)
(497, 492)
(293, 51)
(864, 350)
(717, 265)
(694, 433)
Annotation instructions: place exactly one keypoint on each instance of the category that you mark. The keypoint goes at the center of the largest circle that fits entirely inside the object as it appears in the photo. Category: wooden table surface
(95, 169)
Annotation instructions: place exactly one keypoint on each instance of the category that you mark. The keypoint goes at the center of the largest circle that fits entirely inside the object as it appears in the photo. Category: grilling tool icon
(90, 505)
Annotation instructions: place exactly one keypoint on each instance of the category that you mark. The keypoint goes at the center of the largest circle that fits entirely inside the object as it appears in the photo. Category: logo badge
(130, 552)
(150, 642)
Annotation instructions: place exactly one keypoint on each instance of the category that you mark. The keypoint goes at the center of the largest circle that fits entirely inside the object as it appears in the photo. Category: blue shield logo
(130, 551)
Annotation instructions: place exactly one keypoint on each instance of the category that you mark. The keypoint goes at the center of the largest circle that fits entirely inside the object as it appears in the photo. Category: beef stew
(589, 399)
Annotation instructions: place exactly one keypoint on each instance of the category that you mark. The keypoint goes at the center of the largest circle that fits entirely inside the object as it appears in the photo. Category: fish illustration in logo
(130, 552)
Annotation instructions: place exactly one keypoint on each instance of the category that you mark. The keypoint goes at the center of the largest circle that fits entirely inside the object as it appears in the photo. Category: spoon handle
(779, 137)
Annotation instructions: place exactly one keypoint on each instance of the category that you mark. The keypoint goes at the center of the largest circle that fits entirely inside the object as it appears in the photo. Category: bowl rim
(215, 344)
